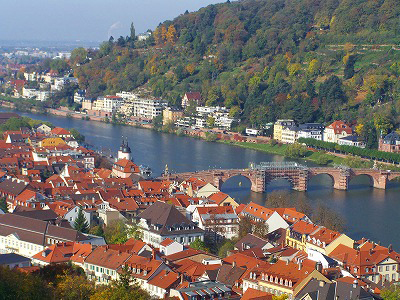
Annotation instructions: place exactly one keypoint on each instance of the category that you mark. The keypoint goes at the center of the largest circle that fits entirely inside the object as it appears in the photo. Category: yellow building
(307, 236)
(52, 142)
(223, 199)
(171, 115)
(279, 125)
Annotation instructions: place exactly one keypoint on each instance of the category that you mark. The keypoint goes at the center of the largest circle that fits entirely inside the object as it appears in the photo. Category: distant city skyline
(88, 20)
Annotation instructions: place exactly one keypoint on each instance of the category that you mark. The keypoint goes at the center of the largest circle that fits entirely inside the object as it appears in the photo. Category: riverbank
(261, 144)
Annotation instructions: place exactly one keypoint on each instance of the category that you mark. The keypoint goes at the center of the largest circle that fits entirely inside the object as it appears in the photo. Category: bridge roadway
(298, 176)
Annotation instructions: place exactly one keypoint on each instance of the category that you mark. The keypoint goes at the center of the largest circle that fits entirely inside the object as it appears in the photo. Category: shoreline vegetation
(320, 157)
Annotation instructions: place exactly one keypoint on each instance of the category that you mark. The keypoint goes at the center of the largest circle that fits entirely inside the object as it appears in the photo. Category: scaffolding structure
(296, 173)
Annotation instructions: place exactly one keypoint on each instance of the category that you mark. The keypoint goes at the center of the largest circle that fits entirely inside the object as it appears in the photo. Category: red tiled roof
(165, 279)
(193, 95)
(258, 211)
(339, 126)
(252, 294)
(60, 131)
(218, 197)
(166, 242)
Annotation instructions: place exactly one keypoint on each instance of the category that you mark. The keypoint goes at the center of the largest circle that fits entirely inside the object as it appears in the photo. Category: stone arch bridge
(298, 175)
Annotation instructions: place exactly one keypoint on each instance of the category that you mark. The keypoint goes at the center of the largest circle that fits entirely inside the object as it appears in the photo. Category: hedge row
(362, 152)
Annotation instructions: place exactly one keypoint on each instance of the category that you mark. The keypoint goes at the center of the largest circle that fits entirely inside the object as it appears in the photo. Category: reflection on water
(369, 212)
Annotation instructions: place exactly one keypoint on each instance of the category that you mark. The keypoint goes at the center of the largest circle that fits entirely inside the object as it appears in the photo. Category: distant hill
(310, 60)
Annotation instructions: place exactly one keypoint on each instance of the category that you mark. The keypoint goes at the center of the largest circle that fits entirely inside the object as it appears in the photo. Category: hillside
(310, 60)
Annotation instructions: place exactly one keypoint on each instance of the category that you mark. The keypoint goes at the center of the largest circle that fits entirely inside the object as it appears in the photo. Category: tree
(260, 229)
(74, 287)
(119, 231)
(210, 122)
(117, 291)
(132, 37)
(17, 285)
(327, 217)
(295, 150)
(391, 293)
(80, 222)
(198, 244)
(349, 67)
(171, 34)
(97, 230)
(245, 226)
(3, 204)
(79, 137)
(157, 122)
(227, 246)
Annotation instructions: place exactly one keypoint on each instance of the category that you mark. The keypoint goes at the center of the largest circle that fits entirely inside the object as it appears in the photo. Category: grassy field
(280, 149)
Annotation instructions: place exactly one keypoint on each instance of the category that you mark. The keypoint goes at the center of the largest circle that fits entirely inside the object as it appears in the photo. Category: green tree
(198, 244)
(157, 122)
(227, 246)
(210, 122)
(17, 285)
(132, 37)
(3, 204)
(349, 67)
(119, 231)
(391, 293)
(79, 137)
(295, 150)
(80, 222)
(97, 230)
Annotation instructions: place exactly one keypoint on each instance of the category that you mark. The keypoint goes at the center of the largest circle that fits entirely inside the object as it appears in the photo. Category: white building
(112, 103)
(311, 130)
(289, 134)
(161, 221)
(253, 132)
(224, 121)
(335, 131)
(351, 140)
(126, 95)
(148, 108)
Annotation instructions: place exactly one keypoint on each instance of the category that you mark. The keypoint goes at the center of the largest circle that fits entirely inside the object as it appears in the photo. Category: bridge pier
(258, 186)
(381, 181)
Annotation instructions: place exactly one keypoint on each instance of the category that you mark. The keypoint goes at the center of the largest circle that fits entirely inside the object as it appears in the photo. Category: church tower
(124, 151)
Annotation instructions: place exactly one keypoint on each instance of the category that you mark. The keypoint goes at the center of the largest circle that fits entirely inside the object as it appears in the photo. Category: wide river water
(368, 212)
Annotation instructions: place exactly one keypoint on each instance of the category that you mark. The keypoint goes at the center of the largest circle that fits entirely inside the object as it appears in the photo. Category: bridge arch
(372, 180)
(322, 175)
(270, 184)
(241, 180)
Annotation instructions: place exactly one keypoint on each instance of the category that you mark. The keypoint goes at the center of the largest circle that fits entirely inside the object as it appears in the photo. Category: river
(369, 212)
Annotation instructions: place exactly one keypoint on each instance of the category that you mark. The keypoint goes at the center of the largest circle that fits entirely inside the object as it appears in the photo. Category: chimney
(153, 254)
(390, 248)
(318, 267)
(300, 265)
(233, 264)
(287, 262)
(355, 284)
(181, 276)
(371, 251)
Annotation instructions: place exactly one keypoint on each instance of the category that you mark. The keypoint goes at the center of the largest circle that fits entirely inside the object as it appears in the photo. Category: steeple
(124, 150)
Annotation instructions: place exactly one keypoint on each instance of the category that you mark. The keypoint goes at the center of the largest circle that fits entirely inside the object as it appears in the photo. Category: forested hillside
(310, 60)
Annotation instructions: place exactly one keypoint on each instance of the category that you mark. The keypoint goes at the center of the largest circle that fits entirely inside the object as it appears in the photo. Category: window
(394, 267)
(380, 269)
(387, 268)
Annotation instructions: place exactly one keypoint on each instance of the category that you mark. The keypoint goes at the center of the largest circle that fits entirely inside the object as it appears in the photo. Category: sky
(86, 20)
